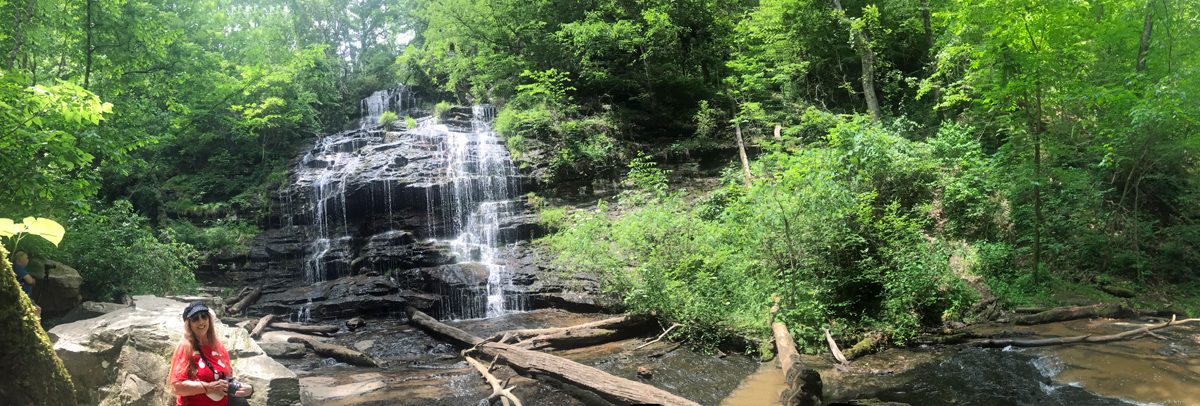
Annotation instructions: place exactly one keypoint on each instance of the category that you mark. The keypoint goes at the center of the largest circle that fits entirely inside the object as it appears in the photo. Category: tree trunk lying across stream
(1108, 310)
(583, 335)
(529, 363)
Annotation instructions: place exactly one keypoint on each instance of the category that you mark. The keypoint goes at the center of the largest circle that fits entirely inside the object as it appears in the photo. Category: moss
(36, 375)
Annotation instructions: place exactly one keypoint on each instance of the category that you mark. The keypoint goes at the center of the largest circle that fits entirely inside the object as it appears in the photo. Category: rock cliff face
(374, 220)
(122, 357)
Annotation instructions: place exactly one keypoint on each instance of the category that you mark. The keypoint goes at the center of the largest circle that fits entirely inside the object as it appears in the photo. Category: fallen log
(337, 352)
(834, 348)
(561, 338)
(804, 384)
(871, 343)
(526, 362)
(261, 324)
(1106, 310)
(1031, 310)
(660, 336)
(235, 298)
(498, 389)
(246, 301)
(304, 328)
(1078, 339)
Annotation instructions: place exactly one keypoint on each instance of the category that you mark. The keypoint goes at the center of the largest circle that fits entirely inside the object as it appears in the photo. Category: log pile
(587, 334)
(1107, 310)
(530, 363)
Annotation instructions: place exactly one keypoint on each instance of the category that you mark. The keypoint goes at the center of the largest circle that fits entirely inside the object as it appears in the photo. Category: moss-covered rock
(34, 374)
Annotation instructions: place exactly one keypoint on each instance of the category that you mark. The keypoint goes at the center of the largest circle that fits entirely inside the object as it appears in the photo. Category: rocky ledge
(122, 357)
(346, 297)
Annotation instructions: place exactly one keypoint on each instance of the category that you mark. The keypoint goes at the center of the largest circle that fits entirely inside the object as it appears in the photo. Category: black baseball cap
(193, 308)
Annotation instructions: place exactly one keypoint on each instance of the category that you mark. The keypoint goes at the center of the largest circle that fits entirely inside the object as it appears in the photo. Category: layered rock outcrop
(122, 357)
(57, 292)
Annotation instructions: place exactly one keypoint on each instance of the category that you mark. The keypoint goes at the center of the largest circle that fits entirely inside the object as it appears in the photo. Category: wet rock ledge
(122, 357)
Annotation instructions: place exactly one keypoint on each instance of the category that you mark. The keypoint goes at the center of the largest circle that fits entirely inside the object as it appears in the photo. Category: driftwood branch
(1090, 338)
(582, 335)
(660, 336)
(261, 324)
(527, 362)
(337, 352)
(235, 298)
(304, 328)
(246, 301)
(498, 389)
(834, 348)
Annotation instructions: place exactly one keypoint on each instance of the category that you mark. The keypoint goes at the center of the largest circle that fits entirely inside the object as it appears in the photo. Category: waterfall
(469, 187)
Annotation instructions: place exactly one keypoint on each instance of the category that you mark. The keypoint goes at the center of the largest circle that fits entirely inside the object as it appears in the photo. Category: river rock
(87, 310)
(346, 297)
(122, 357)
(283, 349)
(59, 293)
(355, 323)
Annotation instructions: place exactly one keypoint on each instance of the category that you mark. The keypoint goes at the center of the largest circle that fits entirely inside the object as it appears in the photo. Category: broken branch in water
(834, 348)
(660, 336)
(498, 389)
(1090, 338)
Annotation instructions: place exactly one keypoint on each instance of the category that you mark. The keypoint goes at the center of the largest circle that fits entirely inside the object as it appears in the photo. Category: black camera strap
(217, 375)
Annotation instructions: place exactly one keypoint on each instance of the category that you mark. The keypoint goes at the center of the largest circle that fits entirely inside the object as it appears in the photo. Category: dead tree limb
(528, 363)
(596, 332)
(337, 352)
(660, 336)
(261, 324)
(1108, 310)
(498, 389)
(804, 384)
(834, 348)
(1090, 338)
(304, 328)
(246, 301)
(235, 298)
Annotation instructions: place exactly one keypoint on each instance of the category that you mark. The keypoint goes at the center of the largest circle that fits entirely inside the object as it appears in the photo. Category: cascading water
(468, 184)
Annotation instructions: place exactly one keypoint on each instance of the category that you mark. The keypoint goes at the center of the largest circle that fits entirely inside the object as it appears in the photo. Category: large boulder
(58, 293)
(122, 358)
(87, 310)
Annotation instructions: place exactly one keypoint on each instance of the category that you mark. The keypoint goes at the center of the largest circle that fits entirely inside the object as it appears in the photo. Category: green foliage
(441, 109)
(114, 251)
(42, 378)
(409, 122)
(388, 120)
(224, 235)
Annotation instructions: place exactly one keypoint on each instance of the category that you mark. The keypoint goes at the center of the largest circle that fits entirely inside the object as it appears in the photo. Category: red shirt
(204, 373)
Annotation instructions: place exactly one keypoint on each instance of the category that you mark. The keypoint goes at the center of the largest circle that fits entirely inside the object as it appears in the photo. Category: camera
(233, 386)
(51, 266)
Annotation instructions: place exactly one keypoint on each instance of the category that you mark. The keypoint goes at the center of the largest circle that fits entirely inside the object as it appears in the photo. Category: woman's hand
(244, 391)
(217, 387)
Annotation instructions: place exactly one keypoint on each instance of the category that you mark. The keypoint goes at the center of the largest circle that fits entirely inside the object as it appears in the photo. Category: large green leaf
(45, 228)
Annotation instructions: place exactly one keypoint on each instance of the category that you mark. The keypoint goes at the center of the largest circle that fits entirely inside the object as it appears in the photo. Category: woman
(200, 361)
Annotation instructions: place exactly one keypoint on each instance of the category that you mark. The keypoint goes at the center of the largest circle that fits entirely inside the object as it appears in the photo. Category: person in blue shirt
(20, 260)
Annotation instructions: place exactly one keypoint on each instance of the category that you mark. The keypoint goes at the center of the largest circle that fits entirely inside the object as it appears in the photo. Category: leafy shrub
(409, 122)
(114, 250)
(388, 120)
(441, 109)
(220, 235)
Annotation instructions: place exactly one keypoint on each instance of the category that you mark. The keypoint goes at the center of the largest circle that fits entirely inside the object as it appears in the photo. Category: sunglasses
(199, 316)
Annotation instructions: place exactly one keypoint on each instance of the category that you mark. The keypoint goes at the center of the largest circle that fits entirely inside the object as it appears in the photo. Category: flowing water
(470, 197)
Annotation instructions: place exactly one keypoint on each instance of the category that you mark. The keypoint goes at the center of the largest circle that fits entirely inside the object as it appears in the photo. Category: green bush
(114, 250)
(388, 120)
(221, 235)
(409, 122)
(441, 109)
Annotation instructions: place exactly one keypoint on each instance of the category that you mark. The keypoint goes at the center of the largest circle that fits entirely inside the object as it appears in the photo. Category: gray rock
(122, 357)
(355, 323)
(283, 350)
(59, 293)
(346, 297)
(87, 310)
(364, 345)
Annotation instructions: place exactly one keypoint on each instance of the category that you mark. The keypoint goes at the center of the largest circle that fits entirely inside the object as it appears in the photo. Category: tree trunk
(582, 335)
(611, 388)
(302, 328)
(19, 28)
(742, 153)
(1110, 310)
(863, 43)
(246, 301)
(261, 324)
(804, 384)
(1144, 44)
(36, 374)
(87, 70)
(337, 352)
(234, 299)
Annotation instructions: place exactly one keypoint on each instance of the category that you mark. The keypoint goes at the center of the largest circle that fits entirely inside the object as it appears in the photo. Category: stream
(422, 370)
